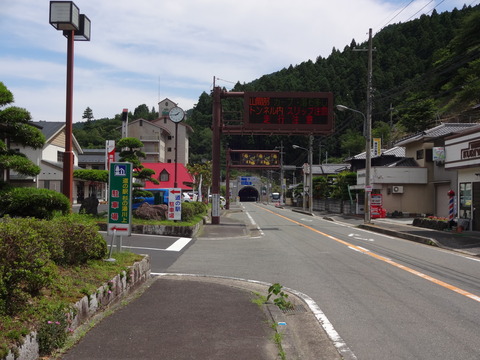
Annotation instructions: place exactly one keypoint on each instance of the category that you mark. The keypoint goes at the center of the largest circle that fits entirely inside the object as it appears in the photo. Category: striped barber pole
(451, 204)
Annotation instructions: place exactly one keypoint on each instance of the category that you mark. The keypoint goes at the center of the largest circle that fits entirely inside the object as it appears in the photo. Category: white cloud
(144, 51)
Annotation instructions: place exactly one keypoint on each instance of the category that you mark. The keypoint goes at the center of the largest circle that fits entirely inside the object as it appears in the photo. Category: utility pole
(368, 165)
(310, 182)
(282, 193)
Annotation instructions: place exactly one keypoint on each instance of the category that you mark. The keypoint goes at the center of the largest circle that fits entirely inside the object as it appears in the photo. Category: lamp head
(341, 107)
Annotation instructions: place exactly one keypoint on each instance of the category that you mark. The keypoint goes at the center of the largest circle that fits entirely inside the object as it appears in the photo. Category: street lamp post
(368, 157)
(310, 178)
(65, 16)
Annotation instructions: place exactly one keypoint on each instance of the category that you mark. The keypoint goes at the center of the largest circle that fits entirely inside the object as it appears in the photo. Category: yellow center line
(384, 259)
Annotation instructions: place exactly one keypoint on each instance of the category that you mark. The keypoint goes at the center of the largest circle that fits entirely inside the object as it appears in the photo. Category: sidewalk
(176, 316)
(467, 242)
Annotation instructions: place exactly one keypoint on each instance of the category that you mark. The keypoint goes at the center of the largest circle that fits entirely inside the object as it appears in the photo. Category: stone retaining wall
(107, 294)
(169, 230)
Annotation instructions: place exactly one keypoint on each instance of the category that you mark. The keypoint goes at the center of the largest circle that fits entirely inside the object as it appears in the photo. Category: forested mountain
(424, 71)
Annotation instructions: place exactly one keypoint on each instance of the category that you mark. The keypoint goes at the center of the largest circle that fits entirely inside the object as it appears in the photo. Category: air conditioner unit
(397, 189)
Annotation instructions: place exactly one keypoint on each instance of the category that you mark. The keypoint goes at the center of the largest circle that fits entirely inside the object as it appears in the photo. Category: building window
(465, 200)
(60, 156)
(169, 161)
(164, 175)
(419, 154)
(141, 123)
(169, 149)
(170, 137)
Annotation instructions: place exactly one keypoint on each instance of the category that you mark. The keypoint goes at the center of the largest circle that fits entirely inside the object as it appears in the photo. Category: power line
(389, 21)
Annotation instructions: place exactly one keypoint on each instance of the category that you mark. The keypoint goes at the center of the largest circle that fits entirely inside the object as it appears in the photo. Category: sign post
(119, 199)
(175, 204)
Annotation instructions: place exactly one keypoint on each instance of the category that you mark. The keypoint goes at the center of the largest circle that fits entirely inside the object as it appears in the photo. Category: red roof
(182, 176)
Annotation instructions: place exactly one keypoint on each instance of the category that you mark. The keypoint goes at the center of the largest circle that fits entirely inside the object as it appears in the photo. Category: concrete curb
(406, 236)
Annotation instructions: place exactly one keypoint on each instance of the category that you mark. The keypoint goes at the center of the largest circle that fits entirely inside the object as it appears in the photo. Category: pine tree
(15, 128)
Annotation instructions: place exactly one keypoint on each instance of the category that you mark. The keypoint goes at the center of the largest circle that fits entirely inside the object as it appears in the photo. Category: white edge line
(179, 244)
(254, 223)
(322, 319)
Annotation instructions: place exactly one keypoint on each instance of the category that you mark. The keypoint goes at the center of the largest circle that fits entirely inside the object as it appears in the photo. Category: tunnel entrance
(248, 193)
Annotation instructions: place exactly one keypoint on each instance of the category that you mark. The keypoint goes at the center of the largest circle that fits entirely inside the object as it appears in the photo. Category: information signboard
(246, 180)
(215, 205)
(175, 204)
(119, 199)
(309, 111)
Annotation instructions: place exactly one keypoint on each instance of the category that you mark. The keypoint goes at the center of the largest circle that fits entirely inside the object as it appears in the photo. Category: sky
(144, 51)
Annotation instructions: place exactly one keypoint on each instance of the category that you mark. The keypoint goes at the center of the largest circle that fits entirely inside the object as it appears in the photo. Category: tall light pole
(176, 115)
(282, 190)
(368, 157)
(310, 179)
(65, 16)
(368, 128)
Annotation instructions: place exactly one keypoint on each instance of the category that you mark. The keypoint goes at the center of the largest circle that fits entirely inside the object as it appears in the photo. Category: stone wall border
(106, 295)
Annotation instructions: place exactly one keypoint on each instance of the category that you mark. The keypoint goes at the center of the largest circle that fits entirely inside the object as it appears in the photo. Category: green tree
(15, 128)
(130, 152)
(383, 131)
(419, 114)
(352, 142)
(88, 114)
(141, 112)
(202, 175)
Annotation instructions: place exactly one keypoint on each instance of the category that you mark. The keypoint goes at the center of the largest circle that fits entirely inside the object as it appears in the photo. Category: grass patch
(70, 285)
(259, 299)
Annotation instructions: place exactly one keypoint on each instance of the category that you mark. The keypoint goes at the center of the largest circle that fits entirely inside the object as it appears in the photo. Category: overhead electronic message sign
(254, 158)
(288, 111)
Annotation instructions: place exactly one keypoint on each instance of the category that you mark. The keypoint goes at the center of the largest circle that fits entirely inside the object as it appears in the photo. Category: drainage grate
(296, 310)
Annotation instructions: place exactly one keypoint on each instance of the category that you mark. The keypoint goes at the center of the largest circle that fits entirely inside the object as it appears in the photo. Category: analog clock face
(176, 114)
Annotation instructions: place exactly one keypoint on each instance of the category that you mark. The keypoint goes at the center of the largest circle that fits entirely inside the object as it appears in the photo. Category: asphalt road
(163, 250)
(387, 298)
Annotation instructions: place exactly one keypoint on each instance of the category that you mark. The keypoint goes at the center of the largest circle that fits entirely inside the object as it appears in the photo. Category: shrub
(33, 202)
(75, 240)
(199, 208)
(188, 211)
(53, 331)
(25, 266)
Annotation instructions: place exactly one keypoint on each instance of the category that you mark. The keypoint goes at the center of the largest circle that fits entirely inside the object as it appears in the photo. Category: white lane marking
(358, 237)
(307, 220)
(179, 244)
(254, 223)
(176, 246)
(363, 249)
(141, 248)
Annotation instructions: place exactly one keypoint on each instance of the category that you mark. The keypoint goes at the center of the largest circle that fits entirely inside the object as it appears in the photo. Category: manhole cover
(295, 310)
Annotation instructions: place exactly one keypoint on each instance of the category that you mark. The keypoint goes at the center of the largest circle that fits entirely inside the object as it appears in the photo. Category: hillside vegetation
(424, 71)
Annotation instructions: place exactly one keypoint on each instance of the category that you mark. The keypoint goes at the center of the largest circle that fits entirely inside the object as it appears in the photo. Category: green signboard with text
(119, 198)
